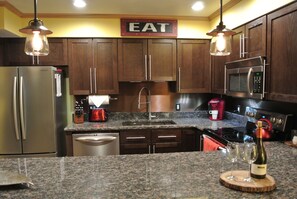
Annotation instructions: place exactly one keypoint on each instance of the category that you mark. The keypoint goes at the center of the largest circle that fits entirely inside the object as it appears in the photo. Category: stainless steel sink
(147, 122)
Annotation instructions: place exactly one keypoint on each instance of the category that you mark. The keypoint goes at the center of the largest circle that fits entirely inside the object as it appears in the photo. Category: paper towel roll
(98, 100)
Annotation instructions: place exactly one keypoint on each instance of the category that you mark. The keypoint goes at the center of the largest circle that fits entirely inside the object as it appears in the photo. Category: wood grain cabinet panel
(58, 53)
(14, 54)
(194, 71)
(93, 66)
(218, 74)
(147, 59)
(282, 57)
(249, 40)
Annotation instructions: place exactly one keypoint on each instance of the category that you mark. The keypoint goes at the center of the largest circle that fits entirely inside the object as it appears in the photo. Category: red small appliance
(98, 115)
(216, 104)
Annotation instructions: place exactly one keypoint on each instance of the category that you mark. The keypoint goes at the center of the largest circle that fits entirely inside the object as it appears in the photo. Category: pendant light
(36, 41)
(220, 44)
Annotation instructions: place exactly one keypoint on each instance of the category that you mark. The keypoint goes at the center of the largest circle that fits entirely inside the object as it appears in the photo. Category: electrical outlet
(177, 107)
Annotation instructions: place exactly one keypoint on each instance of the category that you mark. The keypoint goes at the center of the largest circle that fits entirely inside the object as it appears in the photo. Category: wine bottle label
(259, 169)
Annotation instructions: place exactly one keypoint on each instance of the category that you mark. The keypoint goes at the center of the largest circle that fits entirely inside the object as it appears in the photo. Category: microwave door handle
(248, 81)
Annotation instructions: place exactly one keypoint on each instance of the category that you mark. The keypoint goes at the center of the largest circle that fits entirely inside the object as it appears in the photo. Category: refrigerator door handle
(22, 108)
(16, 128)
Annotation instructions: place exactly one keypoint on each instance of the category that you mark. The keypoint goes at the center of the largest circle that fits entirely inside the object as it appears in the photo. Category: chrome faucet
(148, 101)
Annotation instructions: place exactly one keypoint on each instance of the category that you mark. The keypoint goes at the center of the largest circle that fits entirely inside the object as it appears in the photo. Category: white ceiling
(180, 8)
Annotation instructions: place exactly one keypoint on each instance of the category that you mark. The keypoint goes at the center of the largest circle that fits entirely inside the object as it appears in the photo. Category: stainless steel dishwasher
(96, 144)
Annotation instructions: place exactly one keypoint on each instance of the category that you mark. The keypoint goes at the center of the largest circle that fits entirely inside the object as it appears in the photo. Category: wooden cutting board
(258, 185)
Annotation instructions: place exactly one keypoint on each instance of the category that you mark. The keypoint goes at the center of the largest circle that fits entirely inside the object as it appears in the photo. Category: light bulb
(221, 42)
(37, 44)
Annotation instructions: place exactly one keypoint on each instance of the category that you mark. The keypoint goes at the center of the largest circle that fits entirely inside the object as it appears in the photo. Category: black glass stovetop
(234, 134)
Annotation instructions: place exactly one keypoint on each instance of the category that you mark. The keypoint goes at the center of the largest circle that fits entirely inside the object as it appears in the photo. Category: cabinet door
(256, 37)
(1, 52)
(193, 66)
(236, 44)
(135, 141)
(105, 66)
(162, 59)
(57, 55)
(14, 54)
(218, 74)
(281, 51)
(132, 59)
(190, 139)
(80, 57)
(166, 140)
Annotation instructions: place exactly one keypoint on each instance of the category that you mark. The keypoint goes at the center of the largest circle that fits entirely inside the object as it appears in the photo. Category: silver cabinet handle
(154, 148)
(225, 80)
(135, 138)
(23, 127)
(264, 77)
(179, 78)
(95, 79)
(149, 149)
(240, 46)
(166, 136)
(16, 128)
(243, 46)
(248, 81)
(150, 67)
(91, 82)
(95, 139)
(145, 66)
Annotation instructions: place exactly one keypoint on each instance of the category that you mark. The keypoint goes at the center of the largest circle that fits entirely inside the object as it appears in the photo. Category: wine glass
(232, 152)
(249, 155)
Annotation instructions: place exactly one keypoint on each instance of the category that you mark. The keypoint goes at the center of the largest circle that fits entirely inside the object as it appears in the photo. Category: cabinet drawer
(166, 135)
(135, 136)
(136, 148)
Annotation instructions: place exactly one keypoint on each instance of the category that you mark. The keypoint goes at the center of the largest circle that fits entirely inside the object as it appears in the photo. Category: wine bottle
(259, 167)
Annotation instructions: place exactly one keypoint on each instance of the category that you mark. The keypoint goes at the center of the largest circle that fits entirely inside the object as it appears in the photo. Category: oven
(245, 78)
(277, 126)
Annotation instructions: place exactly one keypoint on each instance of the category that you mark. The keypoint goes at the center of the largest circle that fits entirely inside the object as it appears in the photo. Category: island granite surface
(167, 175)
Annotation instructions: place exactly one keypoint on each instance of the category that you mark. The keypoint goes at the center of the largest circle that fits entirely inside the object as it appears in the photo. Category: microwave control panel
(258, 82)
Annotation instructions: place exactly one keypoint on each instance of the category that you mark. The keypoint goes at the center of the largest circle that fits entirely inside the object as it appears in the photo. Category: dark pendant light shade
(36, 41)
(221, 38)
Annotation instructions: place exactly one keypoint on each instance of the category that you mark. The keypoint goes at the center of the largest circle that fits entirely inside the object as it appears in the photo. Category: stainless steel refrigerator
(32, 111)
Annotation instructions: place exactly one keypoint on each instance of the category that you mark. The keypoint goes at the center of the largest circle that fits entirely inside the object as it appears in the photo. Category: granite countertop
(173, 175)
(198, 119)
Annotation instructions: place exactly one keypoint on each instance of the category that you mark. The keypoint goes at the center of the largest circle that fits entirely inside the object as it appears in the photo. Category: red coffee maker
(216, 104)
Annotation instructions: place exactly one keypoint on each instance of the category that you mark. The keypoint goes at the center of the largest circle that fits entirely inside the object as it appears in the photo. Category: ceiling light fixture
(220, 44)
(36, 41)
(197, 6)
(79, 3)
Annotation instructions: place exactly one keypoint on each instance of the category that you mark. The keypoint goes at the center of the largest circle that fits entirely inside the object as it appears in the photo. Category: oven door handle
(249, 76)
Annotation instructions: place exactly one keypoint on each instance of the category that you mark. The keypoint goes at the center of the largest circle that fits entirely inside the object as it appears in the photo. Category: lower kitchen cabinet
(158, 141)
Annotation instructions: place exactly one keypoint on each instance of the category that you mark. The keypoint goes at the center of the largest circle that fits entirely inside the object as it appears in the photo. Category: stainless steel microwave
(245, 78)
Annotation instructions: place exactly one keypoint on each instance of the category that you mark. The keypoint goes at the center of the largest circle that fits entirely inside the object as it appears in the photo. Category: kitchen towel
(209, 144)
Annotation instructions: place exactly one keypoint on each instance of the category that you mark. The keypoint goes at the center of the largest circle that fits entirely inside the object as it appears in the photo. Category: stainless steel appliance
(96, 144)
(245, 78)
(281, 127)
(30, 124)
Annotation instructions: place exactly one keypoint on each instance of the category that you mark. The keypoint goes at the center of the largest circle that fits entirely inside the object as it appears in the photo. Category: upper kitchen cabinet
(249, 40)
(194, 74)
(14, 53)
(147, 59)
(1, 52)
(93, 66)
(218, 74)
(281, 54)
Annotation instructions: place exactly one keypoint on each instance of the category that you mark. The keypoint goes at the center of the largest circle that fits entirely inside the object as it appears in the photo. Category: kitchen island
(170, 175)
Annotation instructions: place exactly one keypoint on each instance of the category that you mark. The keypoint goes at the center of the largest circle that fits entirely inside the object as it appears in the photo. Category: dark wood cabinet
(158, 141)
(281, 54)
(218, 74)
(147, 59)
(14, 53)
(249, 40)
(58, 53)
(194, 71)
(1, 52)
(92, 66)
